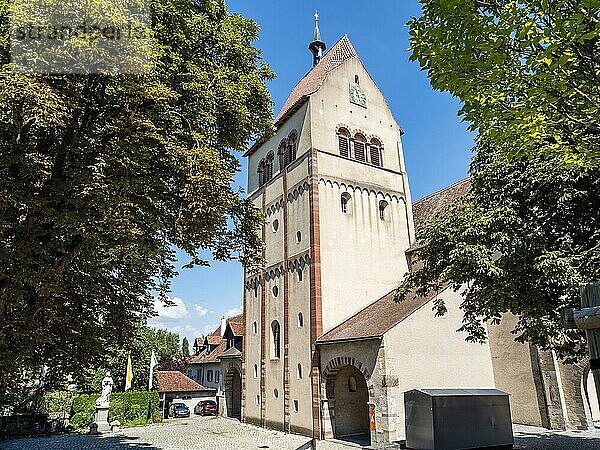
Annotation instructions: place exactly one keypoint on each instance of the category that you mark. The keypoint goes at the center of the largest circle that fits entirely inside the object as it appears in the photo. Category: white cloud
(233, 312)
(207, 329)
(175, 312)
(201, 310)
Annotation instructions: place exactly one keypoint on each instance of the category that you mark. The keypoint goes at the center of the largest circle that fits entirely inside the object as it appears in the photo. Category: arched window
(300, 320)
(261, 173)
(255, 370)
(254, 328)
(299, 372)
(282, 154)
(276, 340)
(268, 174)
(356, 79)
(292, 146)
(375, 152)
(345, 202)
(344, 142)
(382, 209)
(359, 147)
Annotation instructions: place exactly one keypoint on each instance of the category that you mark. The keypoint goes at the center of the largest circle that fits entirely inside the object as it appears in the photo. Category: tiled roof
(175, 381)
(236, 318)
(231, 353)
(237, 328)
(425, 209)
(212, 357)
(313, 80)
(377, 318)
(213, 339)
(199, 342)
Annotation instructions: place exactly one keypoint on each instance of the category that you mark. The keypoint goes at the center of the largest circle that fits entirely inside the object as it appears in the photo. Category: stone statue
(107, 385)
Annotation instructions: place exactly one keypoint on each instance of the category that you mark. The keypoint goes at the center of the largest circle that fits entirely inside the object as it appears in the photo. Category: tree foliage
(185, 347)
(101, 176)
(164, 343)
(525, 72)
(522, 241)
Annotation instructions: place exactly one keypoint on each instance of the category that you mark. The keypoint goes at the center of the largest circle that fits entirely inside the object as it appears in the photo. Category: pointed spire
(317, 46)
(317, 35)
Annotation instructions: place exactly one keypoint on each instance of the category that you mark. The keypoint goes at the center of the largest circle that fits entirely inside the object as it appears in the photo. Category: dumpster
(448, 419)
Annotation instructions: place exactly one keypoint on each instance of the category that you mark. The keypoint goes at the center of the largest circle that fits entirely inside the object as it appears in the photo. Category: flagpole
(152, 364)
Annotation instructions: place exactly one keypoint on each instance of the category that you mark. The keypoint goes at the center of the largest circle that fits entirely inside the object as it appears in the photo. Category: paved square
(212, 433)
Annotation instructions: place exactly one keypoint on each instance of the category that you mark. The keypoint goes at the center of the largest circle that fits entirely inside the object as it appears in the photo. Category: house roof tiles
(175, 381)
(377, 318)
(428, 207)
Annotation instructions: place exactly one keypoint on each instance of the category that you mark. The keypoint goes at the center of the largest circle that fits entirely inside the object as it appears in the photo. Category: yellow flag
(129, 375)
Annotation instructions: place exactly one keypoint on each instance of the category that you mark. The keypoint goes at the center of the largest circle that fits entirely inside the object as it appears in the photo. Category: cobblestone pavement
(210, 433)
(196, 433)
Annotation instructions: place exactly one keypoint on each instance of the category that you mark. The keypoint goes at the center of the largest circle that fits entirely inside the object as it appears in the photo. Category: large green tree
(527, 72)
(102, 176)
(165, 345)
(522, 241)
(185, 347)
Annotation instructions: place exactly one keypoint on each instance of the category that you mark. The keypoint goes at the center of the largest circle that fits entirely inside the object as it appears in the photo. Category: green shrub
(129, 408)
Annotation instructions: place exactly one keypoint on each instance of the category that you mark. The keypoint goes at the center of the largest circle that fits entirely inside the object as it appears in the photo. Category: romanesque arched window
(360, 143)
(282, 154)
(261, 173)
(383, 209)
(268, 174)
(275, 340)
(344, 142)
(375, 152)
(345, 202)
(292, 146)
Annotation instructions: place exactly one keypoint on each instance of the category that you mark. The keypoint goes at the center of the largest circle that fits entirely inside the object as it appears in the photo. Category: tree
(522, 241)
(525, 72)
(185, 347)
(146, 339)
(102, 176)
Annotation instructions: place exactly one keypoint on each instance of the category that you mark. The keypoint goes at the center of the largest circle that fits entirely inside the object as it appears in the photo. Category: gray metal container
(448, 419)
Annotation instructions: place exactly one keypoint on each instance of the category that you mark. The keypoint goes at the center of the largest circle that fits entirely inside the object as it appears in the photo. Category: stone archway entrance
(233, 393)
(346, 408)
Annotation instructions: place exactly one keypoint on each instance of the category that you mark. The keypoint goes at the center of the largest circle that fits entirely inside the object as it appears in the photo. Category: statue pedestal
(100, 424)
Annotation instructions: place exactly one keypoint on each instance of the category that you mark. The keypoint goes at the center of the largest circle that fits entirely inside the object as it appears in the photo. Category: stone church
(327, 352)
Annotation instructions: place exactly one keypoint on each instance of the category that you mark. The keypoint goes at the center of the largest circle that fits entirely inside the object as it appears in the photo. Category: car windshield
(179, 406)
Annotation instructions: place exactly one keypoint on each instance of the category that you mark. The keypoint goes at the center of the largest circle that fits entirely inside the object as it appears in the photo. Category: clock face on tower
(357, 96)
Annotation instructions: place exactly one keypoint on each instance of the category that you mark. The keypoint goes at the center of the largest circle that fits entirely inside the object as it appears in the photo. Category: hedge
(134, 413)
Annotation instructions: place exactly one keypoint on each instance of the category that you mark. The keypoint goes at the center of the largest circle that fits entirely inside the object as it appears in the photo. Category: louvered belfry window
(375, 152)
(344, 142)
(292, 146)
(359, 148)
(343, 146)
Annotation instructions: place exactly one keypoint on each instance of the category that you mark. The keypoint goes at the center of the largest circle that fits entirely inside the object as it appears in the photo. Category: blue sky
(436, 143)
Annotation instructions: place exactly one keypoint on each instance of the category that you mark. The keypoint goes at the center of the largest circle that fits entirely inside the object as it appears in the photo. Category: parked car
(206, 408)
(179, 410)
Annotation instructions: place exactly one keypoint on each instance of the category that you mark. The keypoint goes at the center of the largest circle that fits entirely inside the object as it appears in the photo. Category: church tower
(332, 186)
